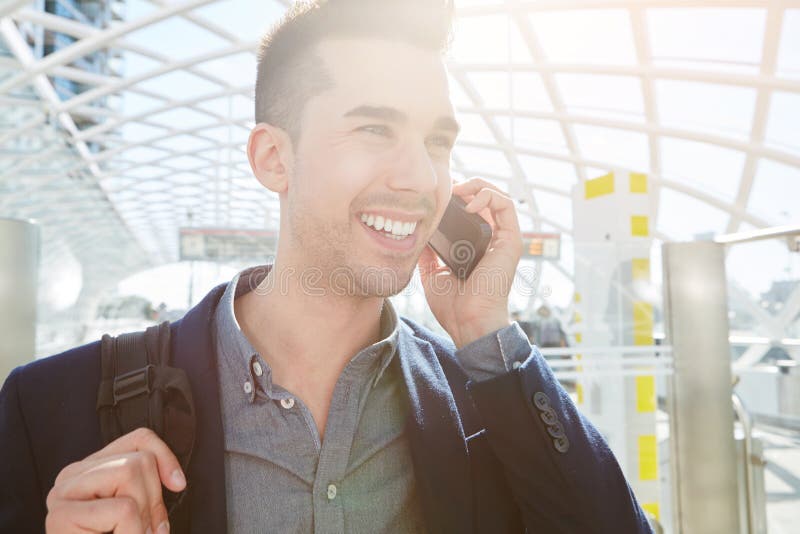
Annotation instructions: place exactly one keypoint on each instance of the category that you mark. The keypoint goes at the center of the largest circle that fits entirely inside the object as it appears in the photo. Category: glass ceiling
(703, 96)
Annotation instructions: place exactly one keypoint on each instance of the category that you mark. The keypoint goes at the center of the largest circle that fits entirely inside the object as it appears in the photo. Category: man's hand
(117, 489)
(469, 309)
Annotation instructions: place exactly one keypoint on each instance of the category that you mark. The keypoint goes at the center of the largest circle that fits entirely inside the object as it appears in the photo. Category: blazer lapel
(436, 436)
(193, 350)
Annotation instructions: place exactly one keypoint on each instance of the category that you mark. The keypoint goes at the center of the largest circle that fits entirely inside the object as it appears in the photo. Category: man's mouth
(396, 228)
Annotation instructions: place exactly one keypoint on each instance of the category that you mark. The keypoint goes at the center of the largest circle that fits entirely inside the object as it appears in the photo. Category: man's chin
(386, 281)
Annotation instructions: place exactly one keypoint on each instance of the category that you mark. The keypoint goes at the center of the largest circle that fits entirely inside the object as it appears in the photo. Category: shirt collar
(238, 350)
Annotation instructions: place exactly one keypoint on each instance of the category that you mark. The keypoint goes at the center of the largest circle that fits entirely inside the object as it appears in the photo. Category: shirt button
(248, 388)
(331, 492)
(257, 369)
(516, 365)
(289, 404)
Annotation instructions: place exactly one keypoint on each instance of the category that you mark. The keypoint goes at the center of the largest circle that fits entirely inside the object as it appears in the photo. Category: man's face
(374, 148)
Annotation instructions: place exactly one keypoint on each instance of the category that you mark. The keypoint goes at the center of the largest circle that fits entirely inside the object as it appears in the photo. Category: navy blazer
(502, 455)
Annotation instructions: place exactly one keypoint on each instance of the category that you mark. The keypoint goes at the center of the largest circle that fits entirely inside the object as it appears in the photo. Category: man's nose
(414, 169)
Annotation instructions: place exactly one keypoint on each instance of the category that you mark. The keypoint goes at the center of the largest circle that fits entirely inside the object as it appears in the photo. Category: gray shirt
(279, 477)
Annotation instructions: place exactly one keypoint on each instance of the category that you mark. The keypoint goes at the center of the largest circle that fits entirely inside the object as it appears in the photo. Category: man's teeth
(395, 229)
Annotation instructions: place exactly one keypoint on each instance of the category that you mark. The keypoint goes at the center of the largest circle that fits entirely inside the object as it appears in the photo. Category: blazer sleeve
(22, 507)
(560, 470)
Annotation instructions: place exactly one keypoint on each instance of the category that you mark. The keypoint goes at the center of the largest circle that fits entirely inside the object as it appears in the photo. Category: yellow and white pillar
(613, 219)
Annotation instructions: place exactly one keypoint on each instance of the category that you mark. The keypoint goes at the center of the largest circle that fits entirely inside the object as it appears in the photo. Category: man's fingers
(501, 207)
(144, 439)
(133, 475)
(119, 515)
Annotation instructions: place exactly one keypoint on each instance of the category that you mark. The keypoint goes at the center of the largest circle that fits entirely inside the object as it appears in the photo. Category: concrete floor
(782, 481)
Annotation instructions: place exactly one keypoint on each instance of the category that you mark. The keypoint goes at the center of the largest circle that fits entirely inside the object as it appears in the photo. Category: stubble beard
(330, 260)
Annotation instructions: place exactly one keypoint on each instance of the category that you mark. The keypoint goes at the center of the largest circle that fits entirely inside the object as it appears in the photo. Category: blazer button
(556, 430)
(541, 401)
(549, 416)
(561, 444)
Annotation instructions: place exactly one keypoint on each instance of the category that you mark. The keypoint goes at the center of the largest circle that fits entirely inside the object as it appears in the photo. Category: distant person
(547, 330)
(526, 326)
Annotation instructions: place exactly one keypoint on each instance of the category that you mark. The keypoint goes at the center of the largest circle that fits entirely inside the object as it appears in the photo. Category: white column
(19, 278)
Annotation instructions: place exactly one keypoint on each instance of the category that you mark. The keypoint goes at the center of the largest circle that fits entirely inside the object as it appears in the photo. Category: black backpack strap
(138, 388)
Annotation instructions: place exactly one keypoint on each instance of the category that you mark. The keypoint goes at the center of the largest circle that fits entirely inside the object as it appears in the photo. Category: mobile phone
(461, 238)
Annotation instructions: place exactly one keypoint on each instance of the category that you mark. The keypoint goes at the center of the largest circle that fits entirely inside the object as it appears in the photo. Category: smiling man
(318, 408)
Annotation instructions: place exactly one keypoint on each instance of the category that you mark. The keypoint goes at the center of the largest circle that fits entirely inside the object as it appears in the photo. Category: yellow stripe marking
(642, 323)
(638, 182)
(645, 394)
(648, 457)
(641, 269)
(640, 226)
(652, 507)
(599, 186)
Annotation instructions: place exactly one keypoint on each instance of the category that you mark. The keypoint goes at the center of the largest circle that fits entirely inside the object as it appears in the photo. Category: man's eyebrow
(378, 112)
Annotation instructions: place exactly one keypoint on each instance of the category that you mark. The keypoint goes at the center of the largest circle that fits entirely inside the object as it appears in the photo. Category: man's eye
(377, 129)
(440, 141)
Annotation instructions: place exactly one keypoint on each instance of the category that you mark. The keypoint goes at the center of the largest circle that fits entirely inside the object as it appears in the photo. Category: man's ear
(269, 150)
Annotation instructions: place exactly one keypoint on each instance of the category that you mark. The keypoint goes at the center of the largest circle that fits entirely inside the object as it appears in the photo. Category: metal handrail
(747, 427)
(759, 235)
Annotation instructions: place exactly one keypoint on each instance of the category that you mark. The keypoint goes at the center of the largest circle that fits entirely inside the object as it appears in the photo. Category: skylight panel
(492, 39)
(705, 167)
(183, 143)
(135, 103)
(476, 160)
(474, 128)
(557, 208)
(232, 107)
(705, 220)
(183, 162)
(783, 130)
(180, 118)
(692, 37)
(789, 49)
(176, 38)
(248, 19)
(586, 36)
(553, 173)
(458, 96)
(615, 147)
(719, 109)
(526, 91)
(142, 154)
(529, 92)
(135, 64)
(492, 87)
(775, 193)
(135, 9)
(143, 172)
(588, 94)
(224, 134)
(238, 70)
(133, 132)
(533, 134)
(178, 85)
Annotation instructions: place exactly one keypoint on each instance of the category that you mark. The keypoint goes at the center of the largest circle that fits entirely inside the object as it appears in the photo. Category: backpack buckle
(133, 384)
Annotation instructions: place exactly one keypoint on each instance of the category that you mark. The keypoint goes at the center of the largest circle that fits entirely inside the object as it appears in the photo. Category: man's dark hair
(289, 73)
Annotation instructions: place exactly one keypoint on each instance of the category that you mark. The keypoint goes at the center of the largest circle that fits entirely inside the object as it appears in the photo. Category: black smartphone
(461, 238)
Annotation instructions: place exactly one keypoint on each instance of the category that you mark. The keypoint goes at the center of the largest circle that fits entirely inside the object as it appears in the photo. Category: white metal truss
(116, 180)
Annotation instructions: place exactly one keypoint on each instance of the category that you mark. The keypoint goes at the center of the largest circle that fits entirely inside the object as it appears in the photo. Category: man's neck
(306, 335)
